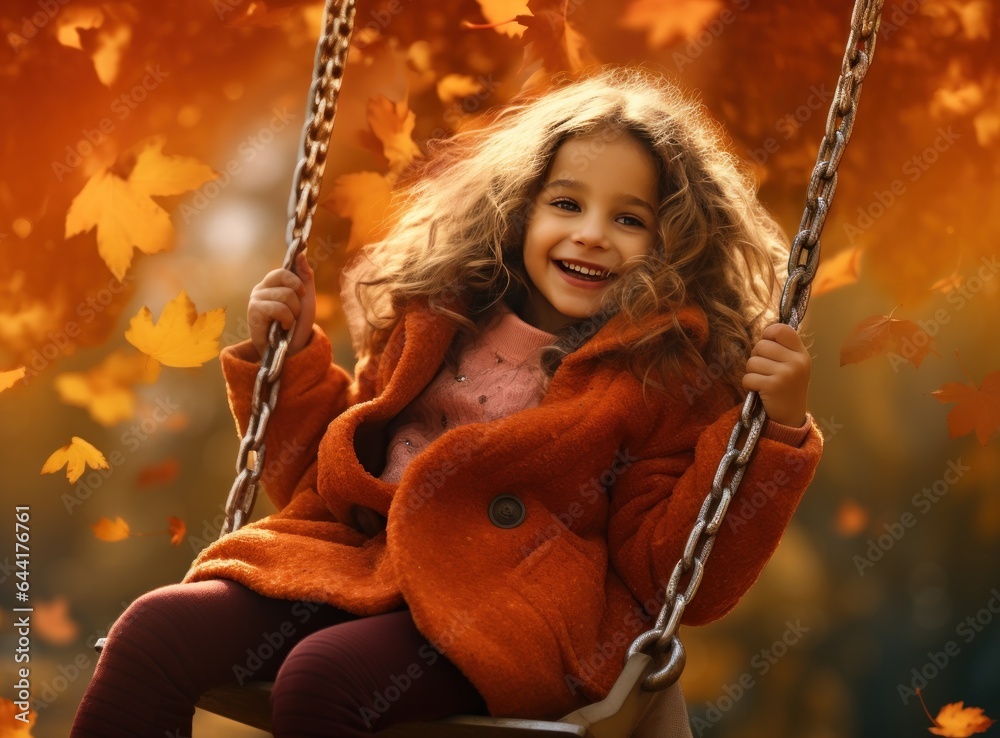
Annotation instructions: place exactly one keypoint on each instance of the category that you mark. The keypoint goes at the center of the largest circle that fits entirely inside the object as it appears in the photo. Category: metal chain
(794, 299)
(321, 109)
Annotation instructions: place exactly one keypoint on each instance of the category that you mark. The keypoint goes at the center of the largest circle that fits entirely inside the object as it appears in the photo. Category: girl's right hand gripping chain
(286, 297)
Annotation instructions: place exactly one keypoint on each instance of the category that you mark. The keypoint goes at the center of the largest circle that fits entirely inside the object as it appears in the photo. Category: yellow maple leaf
(500, 14)
(106, 389)
(364, 198)
(53, 622)
(453, 87)
(76, 456)
(111, 530)
(122, 209)
(181, 337)
(8, 379)
(393, 123)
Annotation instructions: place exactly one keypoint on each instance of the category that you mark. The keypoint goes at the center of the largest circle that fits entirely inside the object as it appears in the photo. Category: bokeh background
(147, 150)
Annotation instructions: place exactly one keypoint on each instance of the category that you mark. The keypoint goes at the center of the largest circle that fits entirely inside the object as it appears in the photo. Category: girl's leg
(177, 641)
(359, 677)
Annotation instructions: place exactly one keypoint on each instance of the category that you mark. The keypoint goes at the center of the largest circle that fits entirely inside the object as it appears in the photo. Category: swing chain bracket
(321, 110)
(668, 653)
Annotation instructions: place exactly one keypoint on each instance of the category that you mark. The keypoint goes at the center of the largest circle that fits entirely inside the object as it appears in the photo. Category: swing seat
(613, 717)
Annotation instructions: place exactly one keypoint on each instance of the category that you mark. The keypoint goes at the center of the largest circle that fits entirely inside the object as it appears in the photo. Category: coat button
(506, 511)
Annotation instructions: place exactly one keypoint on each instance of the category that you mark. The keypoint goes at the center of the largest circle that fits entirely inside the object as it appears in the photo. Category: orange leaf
(117, 201)
(8, 379)
(77, 455)
(177, 529)
(669, 20)
(182, 336)
(501, 13)
(551, 40)
(978, 408)
(393, 123)
(158, 473)
(53, 623)
(365, 198)
(111, 530)
(956, 721)
(880, 334)
(106, 389)
(10, 725)
(837, 271)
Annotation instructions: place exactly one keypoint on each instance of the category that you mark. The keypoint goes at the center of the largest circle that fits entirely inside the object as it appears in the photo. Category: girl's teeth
(583, 270)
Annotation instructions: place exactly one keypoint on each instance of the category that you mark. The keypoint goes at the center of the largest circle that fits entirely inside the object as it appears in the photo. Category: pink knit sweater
(498, 375)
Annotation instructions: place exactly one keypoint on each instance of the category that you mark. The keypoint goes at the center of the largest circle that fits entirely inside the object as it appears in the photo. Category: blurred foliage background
(892, 555)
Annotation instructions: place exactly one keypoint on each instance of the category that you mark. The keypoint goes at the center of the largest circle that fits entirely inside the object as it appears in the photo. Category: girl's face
(596, 209)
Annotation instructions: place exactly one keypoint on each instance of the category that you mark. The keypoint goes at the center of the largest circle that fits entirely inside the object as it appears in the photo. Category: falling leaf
(10, 726)
(177, 530)
(956, 721)
(551, 41)
(182, 336)
(453, 87)
(837, 271)
(106, 389)
(668, 20)
(52, 622)
(120, 205)
(880, 334)
(8, 379)
(106, 529)
(500, 15)
(978, 408)
(392, 123)
(158, 473)
(76, 456)
(364, 198)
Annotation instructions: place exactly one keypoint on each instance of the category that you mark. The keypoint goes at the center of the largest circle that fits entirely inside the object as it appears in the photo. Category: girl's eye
(634, 221)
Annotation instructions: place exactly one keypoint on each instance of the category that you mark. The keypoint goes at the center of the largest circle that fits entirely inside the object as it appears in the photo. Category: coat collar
(617, 335)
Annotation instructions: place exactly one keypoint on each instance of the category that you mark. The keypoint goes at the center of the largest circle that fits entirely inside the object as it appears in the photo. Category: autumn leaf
(551, 41)
(956, 721)
(8, 379)
(106, 389)
(392, 123)
(10, 726)
(838, 271)
(880, 334)
(76, 456)
(668, 20)
(117, 201)
(500, 15)
(978, 408)
(177, 530)
(454, 87)
(364, 198)
(182, 336)
(158, 473)
(53, 623)
(106, 529)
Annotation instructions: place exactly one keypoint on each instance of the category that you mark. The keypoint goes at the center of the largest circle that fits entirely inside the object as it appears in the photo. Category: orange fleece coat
(537, 616)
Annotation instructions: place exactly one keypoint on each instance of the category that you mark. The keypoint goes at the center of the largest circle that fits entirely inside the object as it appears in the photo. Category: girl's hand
(778, 369)
(284, 296)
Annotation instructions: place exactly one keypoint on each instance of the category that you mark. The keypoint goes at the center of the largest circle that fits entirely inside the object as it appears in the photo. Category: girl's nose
(590, 232)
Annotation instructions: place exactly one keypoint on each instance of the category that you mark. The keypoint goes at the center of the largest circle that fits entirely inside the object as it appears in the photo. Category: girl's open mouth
(581, 279)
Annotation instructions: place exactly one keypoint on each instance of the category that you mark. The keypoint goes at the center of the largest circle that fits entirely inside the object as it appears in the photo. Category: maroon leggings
(334, 673)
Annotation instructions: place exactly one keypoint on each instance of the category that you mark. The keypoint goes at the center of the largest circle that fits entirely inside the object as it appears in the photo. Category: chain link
(663, 638)
(321, 109)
